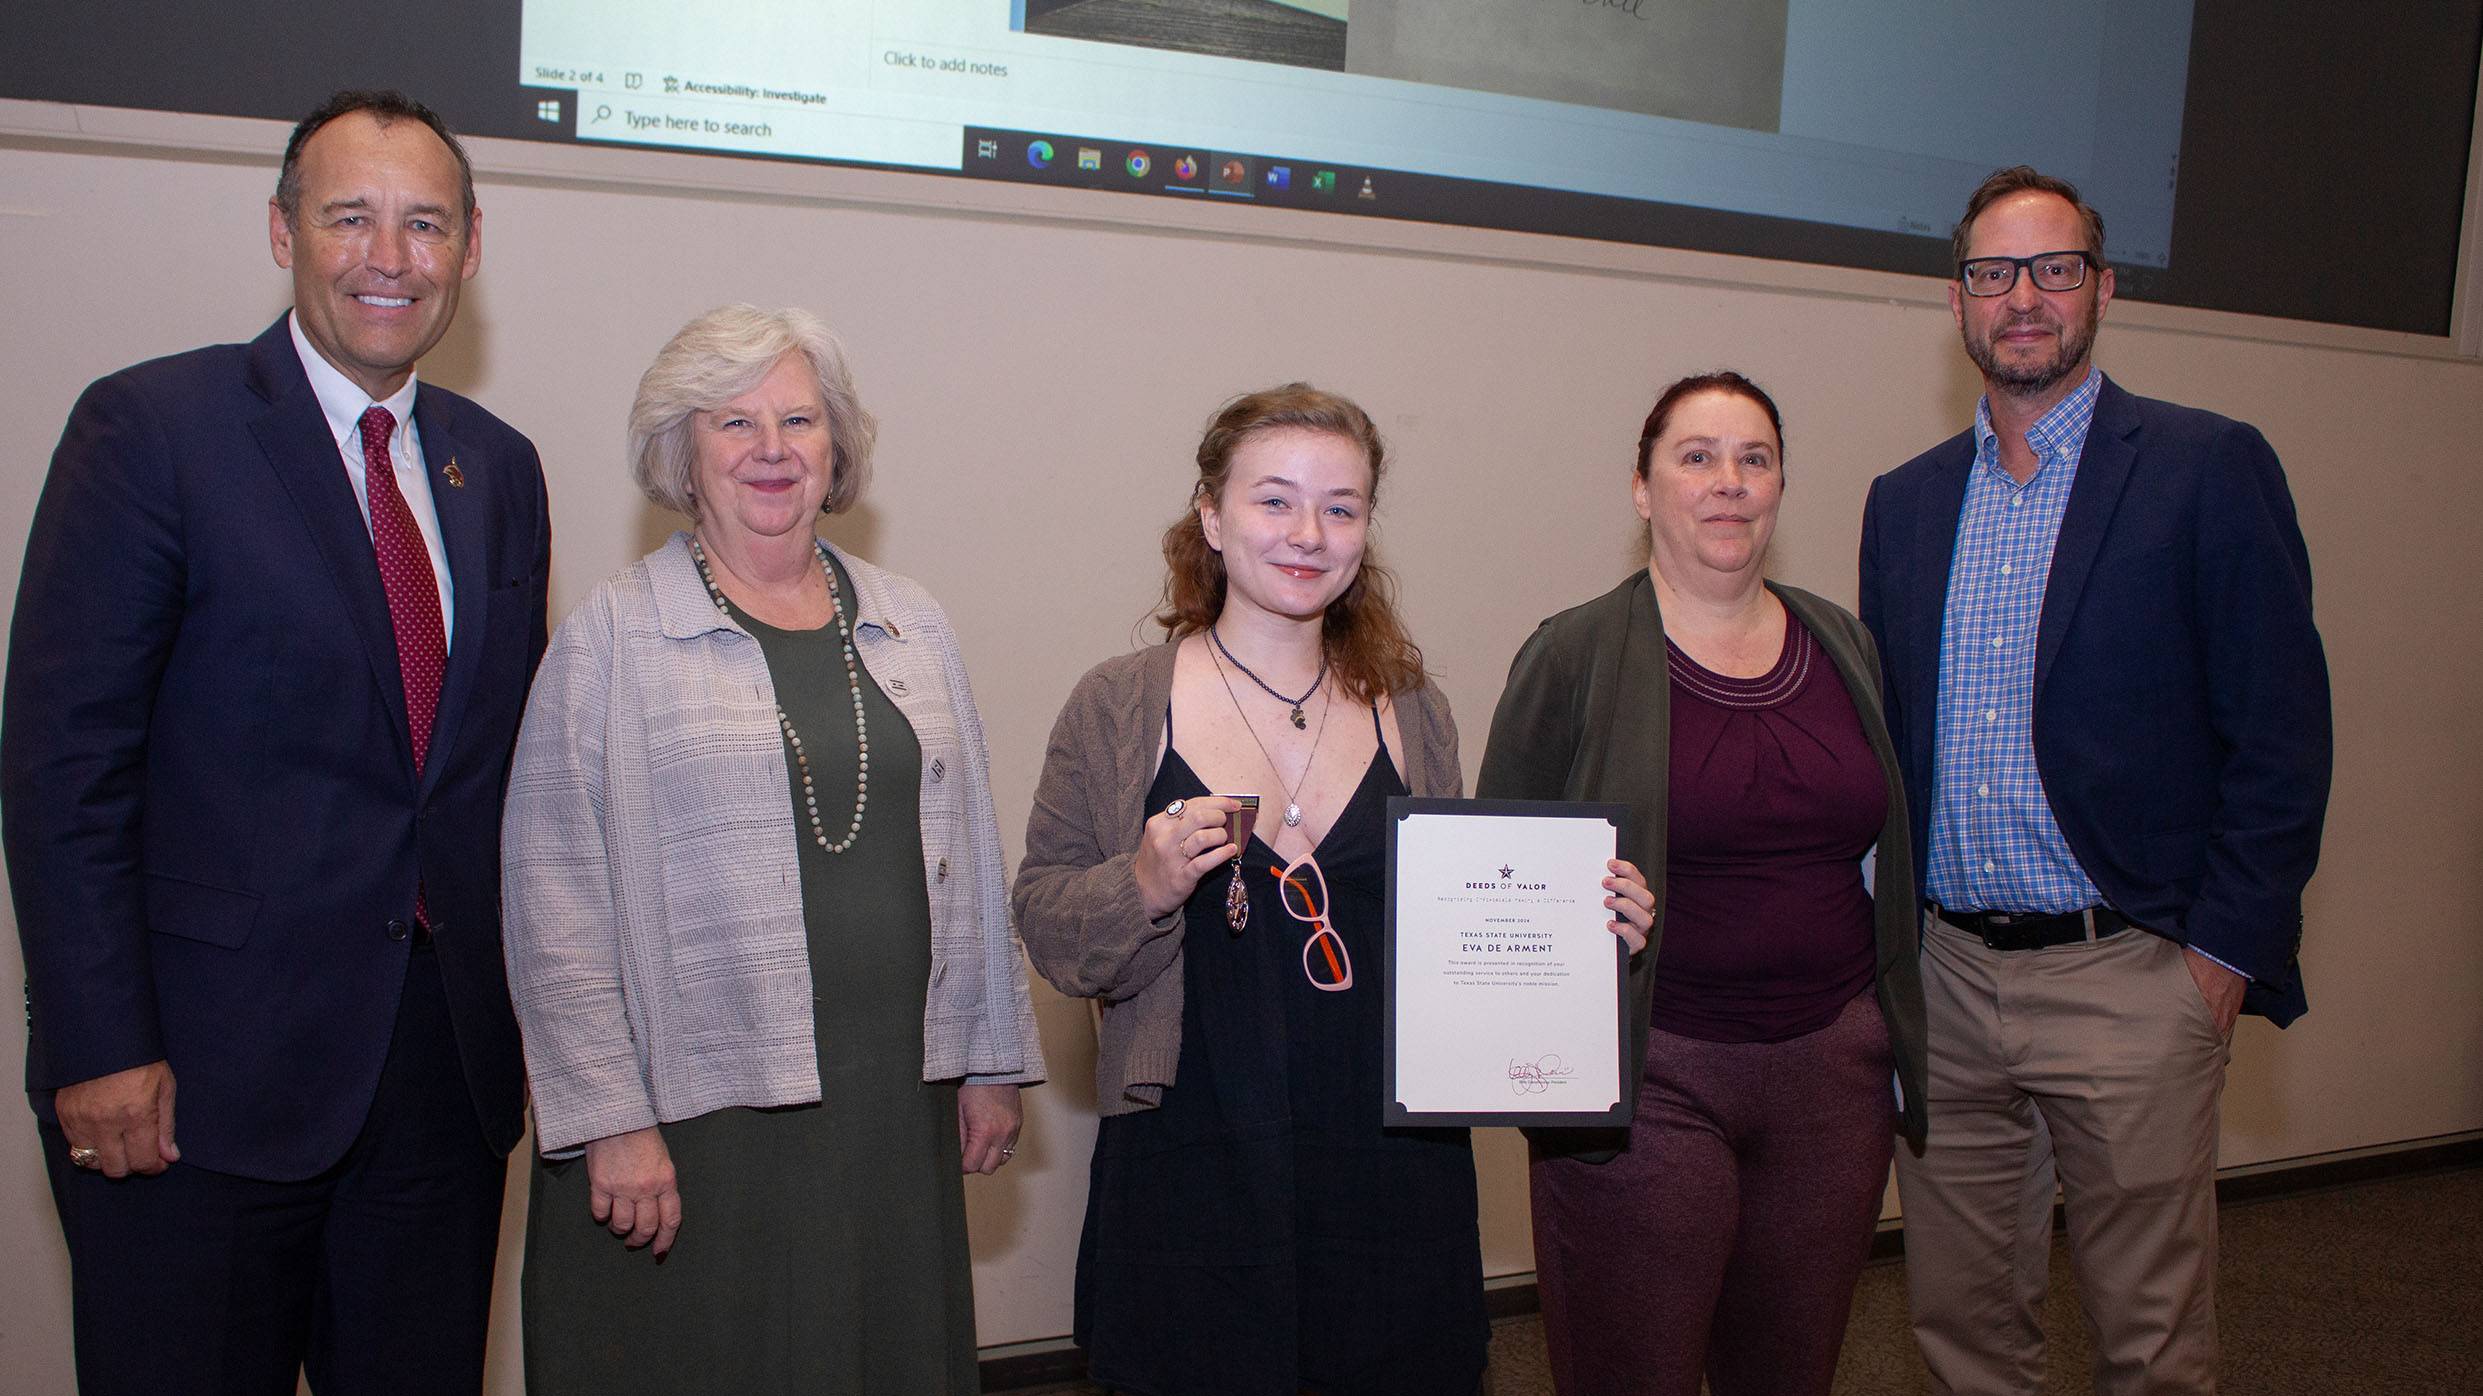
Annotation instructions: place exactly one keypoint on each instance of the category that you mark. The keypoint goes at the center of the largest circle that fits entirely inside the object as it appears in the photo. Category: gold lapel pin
(456, 478)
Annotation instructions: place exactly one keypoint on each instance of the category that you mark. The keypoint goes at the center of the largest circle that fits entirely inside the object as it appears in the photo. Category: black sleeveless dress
(1259, 1233)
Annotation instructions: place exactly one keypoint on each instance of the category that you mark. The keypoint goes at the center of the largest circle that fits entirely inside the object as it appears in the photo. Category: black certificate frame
(1393, 1112)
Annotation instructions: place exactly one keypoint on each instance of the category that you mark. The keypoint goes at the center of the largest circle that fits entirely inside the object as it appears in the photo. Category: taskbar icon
(1087, 162)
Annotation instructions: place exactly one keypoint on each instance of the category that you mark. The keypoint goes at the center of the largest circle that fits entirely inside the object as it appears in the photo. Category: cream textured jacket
(653, 905)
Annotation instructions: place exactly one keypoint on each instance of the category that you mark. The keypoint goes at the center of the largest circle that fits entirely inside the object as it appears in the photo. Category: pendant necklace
(1295, 703)
(793, 739)
(1293, 809)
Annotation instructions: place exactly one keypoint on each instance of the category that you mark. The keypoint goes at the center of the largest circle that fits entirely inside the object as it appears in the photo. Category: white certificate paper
(1506, 993)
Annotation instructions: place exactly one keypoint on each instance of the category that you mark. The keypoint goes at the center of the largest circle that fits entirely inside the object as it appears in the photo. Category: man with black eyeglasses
(2111, 704)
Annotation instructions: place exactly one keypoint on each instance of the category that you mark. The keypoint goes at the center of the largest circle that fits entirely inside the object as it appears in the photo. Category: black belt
(2034, 930)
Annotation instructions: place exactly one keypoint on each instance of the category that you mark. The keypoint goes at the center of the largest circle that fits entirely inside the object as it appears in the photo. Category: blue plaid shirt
(1994, 843)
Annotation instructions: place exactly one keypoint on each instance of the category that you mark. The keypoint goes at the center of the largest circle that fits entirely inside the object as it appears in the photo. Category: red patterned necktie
(413, 589)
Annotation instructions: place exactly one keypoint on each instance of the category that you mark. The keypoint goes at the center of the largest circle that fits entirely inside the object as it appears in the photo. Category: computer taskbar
(1143, 167)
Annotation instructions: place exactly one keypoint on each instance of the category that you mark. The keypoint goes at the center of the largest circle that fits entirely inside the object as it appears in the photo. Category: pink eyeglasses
(1304, 891)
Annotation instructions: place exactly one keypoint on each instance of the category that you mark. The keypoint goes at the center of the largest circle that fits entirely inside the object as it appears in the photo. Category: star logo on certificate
(1507, 872)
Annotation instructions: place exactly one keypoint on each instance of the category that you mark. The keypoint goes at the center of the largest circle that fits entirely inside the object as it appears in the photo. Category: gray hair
(718, 357)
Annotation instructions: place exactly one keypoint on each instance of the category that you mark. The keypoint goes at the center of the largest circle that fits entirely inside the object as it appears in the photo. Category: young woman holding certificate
(1722, 1237)
(1250, 1227)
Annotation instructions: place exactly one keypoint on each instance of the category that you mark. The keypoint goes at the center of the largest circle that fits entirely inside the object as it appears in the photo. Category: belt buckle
(2012, 931)
(1998, 930)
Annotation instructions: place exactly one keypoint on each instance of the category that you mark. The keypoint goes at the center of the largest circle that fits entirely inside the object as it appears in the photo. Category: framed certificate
(1506, 996)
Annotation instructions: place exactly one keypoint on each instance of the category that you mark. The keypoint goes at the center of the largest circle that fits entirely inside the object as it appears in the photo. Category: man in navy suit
(2094, 614)
(279, 611)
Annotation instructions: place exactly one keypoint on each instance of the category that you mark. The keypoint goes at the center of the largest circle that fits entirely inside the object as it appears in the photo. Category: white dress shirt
(344, 402)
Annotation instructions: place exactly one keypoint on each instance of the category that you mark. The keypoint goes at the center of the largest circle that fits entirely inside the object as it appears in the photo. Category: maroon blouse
(1775, 796)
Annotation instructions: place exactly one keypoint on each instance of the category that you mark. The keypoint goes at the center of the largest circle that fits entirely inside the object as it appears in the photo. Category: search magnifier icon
(603, 113)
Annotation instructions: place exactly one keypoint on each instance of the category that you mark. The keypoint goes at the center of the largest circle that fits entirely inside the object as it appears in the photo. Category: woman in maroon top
(1723, 1237)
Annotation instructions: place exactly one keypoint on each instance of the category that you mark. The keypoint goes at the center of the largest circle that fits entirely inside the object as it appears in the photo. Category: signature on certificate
(1540, 1075)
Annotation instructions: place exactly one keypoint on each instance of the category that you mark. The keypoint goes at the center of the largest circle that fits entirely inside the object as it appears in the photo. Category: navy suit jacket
(2181, 721)
(214, 828)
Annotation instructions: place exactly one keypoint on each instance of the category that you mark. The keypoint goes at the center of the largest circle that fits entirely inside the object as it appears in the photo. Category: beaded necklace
(793, 739)
(1299, 722)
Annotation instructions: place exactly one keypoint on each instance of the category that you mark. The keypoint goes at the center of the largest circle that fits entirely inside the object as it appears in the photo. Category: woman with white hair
(757, 922)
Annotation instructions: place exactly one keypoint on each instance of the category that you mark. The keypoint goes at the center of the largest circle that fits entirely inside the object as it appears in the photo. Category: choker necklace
(793, 739)
(1296, 703)
(1293, 810)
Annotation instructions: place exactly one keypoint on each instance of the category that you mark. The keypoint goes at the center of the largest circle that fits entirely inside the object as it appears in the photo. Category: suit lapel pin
(456, 478)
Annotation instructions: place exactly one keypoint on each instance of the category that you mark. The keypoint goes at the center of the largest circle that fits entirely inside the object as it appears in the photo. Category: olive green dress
(822, 1247)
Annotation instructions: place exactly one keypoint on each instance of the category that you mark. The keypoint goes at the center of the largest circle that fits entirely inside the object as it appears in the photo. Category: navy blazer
(214, 828)
(2181, 720)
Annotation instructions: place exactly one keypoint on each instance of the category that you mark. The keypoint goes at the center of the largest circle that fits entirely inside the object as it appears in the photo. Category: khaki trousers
(2099, 1063)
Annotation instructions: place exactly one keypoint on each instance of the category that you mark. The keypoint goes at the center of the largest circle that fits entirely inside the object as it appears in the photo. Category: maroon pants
(1726, 1240)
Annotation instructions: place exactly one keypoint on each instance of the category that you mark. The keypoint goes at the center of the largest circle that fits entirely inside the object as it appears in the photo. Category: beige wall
(1041, 382)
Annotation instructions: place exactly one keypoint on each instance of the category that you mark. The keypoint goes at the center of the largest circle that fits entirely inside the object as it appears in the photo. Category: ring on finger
(1176, 807)
(1008, 1151)
(85, 1157)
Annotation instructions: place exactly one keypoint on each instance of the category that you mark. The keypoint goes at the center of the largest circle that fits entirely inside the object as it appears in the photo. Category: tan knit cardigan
(1076, 896)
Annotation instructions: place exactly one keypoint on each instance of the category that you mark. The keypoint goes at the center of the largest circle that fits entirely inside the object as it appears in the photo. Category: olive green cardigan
(1586, 715)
